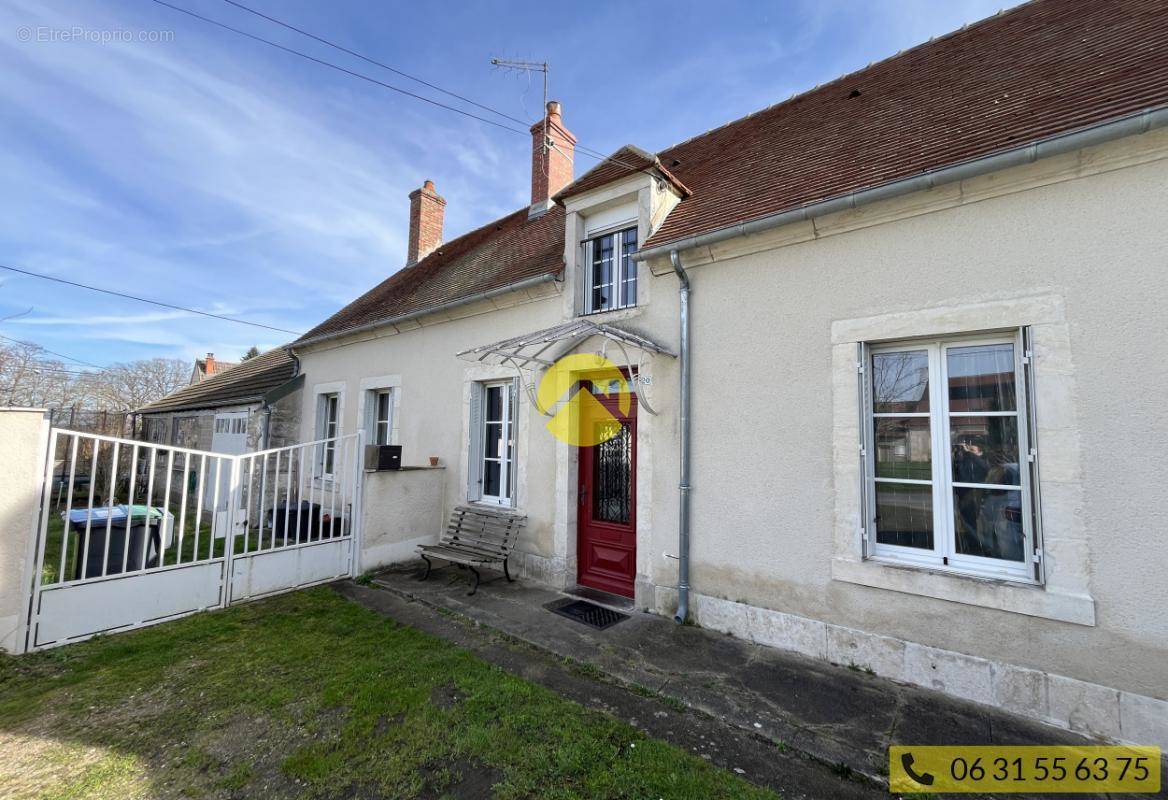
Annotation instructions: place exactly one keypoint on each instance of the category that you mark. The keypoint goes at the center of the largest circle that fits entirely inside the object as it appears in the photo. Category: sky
(150, 153)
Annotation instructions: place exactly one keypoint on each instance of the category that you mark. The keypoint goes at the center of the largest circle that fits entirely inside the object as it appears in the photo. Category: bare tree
(29, 378)
(129, 386)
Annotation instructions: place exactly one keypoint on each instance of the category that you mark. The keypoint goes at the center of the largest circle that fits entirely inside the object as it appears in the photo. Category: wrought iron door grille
(611, 478)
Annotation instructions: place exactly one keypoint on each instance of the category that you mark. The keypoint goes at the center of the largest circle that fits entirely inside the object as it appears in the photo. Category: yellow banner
(1002, 769)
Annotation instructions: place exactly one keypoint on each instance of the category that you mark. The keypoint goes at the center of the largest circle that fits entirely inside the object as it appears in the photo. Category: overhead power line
(373, 61)
(72, 373)
(337, 67)
(158, 303)
(587, 151)
(51, 352)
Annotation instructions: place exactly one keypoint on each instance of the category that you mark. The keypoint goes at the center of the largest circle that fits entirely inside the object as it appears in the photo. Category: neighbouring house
(209, 367)
(253, 406)
(897, 353)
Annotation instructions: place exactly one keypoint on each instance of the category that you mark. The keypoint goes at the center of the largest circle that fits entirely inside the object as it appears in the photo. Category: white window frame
(944, 555)
(623, 269)
(376, 425)
(506, 457)
(328, 429)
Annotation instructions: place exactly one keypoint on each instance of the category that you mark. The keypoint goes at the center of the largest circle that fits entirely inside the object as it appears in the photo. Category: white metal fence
(133, 533)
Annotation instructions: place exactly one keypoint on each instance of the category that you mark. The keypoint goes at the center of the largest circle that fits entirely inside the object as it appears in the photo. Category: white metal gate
(134, 533)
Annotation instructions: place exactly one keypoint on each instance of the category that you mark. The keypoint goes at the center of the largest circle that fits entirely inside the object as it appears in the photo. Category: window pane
(900, 382)
(383, 407)
(612, 387)
(981, 378)
(904, 515)
(985, 450)
(491, 475)
(904, 448)
(602, 269)
(494, 440)
(988, 523)
(628, 268)
(494, 403)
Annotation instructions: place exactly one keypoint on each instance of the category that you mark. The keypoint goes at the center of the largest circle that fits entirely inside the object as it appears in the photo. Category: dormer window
(610, 274)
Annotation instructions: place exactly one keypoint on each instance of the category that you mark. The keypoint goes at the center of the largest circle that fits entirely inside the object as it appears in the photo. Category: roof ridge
(795, 96)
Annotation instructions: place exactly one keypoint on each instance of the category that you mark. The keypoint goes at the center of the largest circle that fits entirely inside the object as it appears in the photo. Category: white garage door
(230, 438)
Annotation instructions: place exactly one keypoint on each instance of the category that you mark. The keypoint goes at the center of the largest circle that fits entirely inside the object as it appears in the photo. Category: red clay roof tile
(1043, 68)
(498, 254)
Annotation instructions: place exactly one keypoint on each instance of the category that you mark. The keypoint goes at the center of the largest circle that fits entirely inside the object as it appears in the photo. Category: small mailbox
(380, 457)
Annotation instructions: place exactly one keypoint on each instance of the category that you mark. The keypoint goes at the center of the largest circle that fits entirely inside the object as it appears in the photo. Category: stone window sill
(1034, 601)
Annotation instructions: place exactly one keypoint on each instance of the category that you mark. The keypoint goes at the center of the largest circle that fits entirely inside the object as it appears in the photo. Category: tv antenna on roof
(530, 67)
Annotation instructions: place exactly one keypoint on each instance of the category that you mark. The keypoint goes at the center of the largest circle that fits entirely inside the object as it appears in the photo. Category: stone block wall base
(1068, 703)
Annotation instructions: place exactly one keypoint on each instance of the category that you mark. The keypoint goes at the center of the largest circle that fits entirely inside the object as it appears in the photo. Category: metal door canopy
(530, 350)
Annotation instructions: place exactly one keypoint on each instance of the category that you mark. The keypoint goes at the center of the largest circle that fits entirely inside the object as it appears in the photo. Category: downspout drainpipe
(683, 486)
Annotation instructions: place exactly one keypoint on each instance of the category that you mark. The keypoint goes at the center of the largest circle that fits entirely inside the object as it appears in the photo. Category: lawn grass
(309, 695)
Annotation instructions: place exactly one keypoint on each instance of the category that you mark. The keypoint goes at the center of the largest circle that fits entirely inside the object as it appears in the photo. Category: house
(253, 406)
(896, 354)
(209, 366)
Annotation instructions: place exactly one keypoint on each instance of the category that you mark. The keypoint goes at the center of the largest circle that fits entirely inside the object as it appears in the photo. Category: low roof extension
(246, 383)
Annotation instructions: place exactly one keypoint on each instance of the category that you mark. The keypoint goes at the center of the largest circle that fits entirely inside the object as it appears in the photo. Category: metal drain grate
(590, 614)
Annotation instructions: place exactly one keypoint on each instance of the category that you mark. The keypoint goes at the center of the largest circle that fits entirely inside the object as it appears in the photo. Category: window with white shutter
(492, 442)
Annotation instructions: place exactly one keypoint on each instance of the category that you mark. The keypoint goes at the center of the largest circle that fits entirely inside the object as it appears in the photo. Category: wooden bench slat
(502, 530)
(486, 537)
(461, 556)
(497, 552)
(484, 526)
(493, 547)
(486, 529)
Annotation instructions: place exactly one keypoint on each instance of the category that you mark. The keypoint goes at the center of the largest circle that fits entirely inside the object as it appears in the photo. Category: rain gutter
(683, 486)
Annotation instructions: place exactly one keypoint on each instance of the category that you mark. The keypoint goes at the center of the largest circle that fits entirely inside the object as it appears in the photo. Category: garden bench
(475, 537)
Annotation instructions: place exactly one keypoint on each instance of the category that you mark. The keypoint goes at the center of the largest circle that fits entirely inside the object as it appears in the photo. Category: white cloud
(203, 171)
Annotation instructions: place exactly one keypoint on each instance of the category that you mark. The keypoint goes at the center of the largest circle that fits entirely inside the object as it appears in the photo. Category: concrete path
(838, 721)
(783, 770)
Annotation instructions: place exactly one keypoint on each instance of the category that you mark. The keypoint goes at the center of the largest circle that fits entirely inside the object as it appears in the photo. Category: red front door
(606, 540)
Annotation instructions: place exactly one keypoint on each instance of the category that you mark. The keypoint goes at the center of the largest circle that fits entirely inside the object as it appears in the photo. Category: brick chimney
(426, 212)
(551, 160)
(209, 365)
